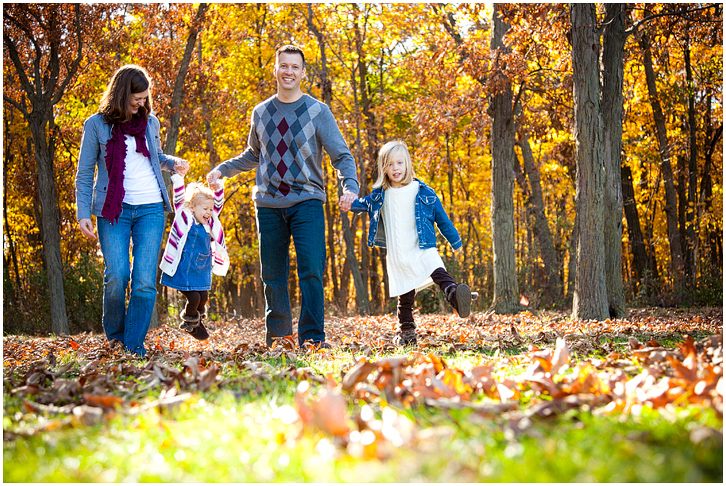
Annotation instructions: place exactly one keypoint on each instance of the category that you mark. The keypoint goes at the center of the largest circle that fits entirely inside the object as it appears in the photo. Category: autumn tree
(326, 89)
(536, 206)
(666, 167)
(45, 45)
(506, 291)
(540, 69)
(611, 101)
(424, 73)
(172, 134)
(590, 297)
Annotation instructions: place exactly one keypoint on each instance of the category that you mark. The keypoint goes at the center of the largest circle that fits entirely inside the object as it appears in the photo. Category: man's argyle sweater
(285, 145)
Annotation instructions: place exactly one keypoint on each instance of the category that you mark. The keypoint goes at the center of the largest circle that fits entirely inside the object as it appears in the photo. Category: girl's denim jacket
(429, 210)
(92, 176)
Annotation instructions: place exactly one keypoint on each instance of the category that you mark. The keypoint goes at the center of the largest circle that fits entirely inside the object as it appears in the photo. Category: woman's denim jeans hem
(305, 224)
(139, 231)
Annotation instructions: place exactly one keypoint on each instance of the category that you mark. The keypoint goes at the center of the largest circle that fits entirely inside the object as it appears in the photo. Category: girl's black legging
(405, 301)
(196, 299)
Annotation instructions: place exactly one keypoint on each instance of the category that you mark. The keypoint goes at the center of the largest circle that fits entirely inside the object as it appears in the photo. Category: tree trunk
(506, 291)
(590, 297)
(706, 191)
(682, 202)
(50, 216)
(345, 274)
(635, 235)
(692, 222)
(9, 157)
(614, 38)
(450, 177)
(259, 295)
(330, 241)
(42, 89)
(172, 135)
(214, 158)
(572, 263)
(541, 229)
(671, 205)
(361, 291)
(327, 94)
(370, 256)
(360, 287)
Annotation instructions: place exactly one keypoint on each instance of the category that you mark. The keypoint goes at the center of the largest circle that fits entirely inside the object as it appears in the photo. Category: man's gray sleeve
(337, 149)
(249, 159)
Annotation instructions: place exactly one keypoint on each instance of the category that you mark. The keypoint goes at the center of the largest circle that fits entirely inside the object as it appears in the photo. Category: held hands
(213, 179)
(346, 200)
(181, 167)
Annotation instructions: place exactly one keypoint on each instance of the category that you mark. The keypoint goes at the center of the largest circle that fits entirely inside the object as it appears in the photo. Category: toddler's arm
(179, 190)
(218, 188)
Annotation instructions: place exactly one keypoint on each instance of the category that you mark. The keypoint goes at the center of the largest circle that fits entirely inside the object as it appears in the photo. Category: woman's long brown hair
(126, 80)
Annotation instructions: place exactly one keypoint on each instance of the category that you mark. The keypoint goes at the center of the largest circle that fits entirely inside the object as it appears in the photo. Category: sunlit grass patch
(525, 407)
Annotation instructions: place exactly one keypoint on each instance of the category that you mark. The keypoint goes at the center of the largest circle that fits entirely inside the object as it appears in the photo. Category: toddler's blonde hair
(384, 161)
(195, 192)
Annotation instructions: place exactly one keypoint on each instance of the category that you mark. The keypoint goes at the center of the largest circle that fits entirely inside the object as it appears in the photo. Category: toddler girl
(195, 249)
(402, 212)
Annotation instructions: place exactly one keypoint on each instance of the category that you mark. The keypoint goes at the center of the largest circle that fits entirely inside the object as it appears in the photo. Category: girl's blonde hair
(196, 191)
(384, 161)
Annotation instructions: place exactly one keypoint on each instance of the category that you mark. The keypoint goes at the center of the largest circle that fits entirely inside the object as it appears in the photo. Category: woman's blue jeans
(139, 232)
(305, 223)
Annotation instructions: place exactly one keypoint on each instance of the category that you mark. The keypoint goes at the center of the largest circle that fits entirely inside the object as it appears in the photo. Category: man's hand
(181, 167)
(346, 200)
(86, 227)
(216, 185)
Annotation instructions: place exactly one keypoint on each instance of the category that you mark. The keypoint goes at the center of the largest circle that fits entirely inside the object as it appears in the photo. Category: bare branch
(15, 58)
(682, 15)
(76, 62)
(17, 105)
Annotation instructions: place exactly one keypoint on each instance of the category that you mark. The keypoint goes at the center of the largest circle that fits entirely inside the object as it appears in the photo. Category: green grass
(236, 432)
(232, 438)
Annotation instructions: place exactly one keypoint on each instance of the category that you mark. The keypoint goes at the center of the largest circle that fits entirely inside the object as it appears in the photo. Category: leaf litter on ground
(516, 368)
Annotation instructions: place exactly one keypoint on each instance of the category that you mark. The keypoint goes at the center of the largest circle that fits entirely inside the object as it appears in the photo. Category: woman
(119, 181)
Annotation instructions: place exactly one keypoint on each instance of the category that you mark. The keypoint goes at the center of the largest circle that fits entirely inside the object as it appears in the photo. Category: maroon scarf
(116, 163)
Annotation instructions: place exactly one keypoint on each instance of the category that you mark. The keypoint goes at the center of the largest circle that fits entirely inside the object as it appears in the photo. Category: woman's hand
(181, 167)
(86, 227)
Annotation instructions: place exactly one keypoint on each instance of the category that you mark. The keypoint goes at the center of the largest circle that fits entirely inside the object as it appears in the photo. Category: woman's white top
(408, 266)
(140, 185)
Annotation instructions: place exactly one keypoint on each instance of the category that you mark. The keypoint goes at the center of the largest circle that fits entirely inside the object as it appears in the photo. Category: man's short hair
(292, 49)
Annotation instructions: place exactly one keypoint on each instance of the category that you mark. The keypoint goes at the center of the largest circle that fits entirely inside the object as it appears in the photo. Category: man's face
(289, 71)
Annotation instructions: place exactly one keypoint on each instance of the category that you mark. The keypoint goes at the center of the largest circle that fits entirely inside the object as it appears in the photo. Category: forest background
(433, 75)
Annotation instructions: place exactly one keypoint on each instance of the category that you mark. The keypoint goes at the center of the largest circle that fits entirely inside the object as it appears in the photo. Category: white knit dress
(408, 266)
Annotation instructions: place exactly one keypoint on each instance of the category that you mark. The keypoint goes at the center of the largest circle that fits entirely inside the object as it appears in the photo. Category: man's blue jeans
(305, 223)
(142, 225)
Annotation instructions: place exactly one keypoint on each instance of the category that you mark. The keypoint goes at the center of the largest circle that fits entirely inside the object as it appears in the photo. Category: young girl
(195, 249)
(402, 212)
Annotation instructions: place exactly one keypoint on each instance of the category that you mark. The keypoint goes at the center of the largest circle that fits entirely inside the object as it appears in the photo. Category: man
(287, 136)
